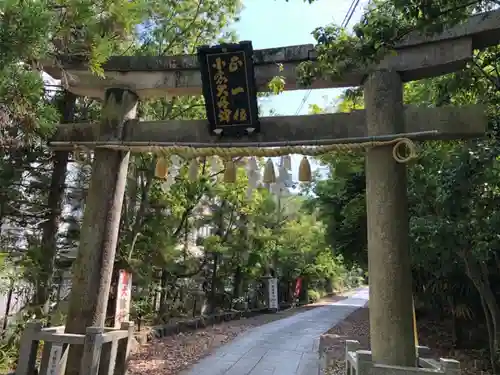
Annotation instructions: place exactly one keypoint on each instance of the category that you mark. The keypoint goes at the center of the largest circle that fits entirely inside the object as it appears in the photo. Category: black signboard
(227, 75)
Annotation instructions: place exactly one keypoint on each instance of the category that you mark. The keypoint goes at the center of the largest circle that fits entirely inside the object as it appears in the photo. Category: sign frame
(211, 71)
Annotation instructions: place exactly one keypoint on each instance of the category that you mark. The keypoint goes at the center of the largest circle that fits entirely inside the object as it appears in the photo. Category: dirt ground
(170, 355)
(431, 334)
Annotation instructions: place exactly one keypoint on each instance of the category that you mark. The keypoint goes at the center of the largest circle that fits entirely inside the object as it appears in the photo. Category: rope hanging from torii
(233, 152)
(403, 151)
(233, 155)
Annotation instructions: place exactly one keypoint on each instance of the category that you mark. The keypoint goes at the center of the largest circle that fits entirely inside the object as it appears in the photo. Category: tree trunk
(237, 284)
(495, 327)
(7, 309)
(454, 336)
(489, 327)
(51, 224)
(2, 210)
(163, 294)
(478, 273)
(213, 284)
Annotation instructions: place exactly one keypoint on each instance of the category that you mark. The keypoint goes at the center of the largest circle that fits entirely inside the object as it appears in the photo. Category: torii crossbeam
(312, 130)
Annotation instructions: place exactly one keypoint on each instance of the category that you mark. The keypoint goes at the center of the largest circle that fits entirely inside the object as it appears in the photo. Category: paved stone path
(284, 347)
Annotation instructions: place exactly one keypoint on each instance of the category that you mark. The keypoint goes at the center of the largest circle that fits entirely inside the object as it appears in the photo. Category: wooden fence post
(123, 350)
(92, 351)
(28, 350)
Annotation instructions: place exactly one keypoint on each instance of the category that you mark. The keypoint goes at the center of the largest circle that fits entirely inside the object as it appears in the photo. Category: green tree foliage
(382, 25)
(246, 238)
(452, 186)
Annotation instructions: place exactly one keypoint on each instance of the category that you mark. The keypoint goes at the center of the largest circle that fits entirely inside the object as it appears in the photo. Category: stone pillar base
(359, 362)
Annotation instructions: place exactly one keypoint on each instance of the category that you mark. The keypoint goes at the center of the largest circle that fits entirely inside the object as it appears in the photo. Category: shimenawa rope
(404, 150)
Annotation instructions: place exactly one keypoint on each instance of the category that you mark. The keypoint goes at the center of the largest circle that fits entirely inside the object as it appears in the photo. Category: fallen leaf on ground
(170, 355)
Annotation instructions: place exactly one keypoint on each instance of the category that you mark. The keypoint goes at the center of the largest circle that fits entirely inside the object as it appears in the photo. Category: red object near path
(123, 297)
(298, 286)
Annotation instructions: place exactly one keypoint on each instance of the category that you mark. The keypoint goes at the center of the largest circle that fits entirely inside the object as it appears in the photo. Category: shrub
(313, 295)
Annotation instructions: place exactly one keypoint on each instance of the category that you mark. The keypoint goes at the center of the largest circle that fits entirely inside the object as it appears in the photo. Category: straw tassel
(305, 170)
(230, 171)
(193, 170)
(269, 174)
(161, 168)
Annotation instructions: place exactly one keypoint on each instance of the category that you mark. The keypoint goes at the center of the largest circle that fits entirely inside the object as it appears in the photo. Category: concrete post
(108, 357)
(350, 346)
(391, 324)
(364, 362)
(92, 351)
(123, 349)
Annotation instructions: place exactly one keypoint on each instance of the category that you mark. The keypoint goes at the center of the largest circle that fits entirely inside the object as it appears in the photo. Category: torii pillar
(389, 266)
(101, 223)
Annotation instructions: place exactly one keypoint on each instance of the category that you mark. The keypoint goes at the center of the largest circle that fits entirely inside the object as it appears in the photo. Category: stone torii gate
(129, 79)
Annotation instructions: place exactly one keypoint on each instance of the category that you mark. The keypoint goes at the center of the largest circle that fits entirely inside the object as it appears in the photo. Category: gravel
(355, 327)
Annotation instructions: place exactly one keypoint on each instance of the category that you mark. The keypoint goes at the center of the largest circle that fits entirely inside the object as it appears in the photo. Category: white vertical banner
(273, 293)
(54, 366)
(123, 297)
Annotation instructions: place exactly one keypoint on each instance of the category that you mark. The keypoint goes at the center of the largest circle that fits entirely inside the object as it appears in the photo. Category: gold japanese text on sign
(229, 88)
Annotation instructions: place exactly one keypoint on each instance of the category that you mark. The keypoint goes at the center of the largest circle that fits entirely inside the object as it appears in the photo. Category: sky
(277, 23)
